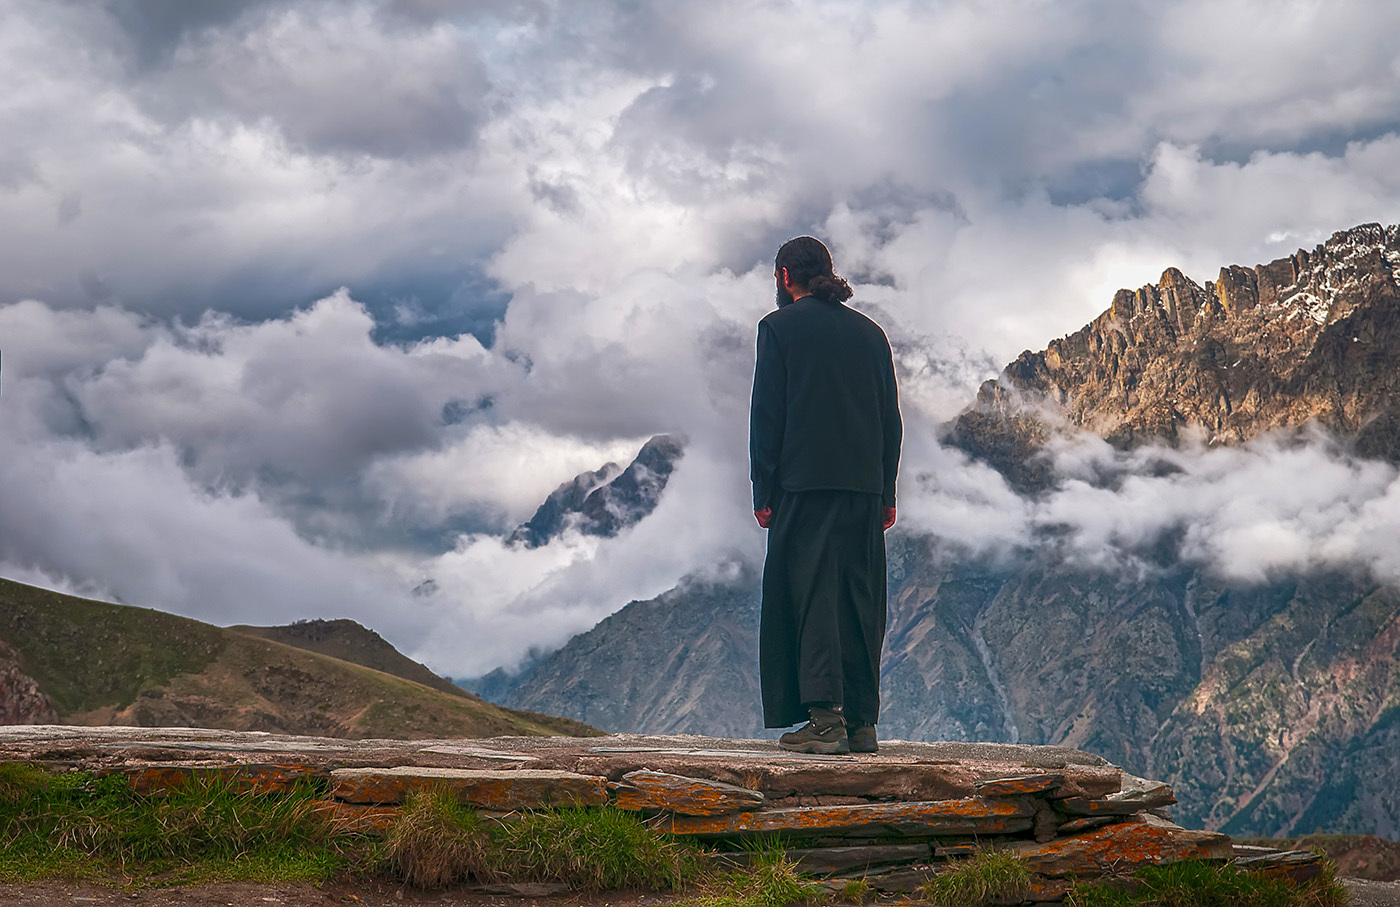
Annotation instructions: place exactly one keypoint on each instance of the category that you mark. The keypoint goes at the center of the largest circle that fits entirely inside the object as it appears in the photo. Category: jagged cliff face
(1311, 337)
(605, 501)
(1272, 708)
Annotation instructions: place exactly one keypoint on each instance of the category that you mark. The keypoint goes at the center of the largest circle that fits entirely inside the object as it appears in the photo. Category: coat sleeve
(767, 417)
(892, 427)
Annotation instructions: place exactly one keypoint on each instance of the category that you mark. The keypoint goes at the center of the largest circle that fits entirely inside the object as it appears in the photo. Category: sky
(304, 304)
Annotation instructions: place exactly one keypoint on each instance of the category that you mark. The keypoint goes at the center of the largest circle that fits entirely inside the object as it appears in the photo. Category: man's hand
(764, 517)
(889, 517)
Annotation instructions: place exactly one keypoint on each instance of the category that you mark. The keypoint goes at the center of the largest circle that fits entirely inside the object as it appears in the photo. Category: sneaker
(824, 734)
(862, 739)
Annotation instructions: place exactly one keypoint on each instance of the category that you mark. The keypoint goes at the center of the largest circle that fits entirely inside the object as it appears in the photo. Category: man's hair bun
(830, 289)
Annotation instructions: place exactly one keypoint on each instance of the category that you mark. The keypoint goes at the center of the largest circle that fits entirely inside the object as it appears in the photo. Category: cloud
(192, 410)
(1278, 506)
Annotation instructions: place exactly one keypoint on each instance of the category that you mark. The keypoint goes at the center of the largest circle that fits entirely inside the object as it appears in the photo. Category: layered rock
(904, 815)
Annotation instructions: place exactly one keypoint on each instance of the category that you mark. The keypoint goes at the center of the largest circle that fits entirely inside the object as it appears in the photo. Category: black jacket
(825, 411)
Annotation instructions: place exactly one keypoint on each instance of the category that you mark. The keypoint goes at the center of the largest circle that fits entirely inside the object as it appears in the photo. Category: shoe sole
(873, 749)
(817, 748)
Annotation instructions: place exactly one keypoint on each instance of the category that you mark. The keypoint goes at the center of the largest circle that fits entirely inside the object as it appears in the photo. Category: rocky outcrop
(606, 501)
(21, 700)
(894, 819)
(1314, 337)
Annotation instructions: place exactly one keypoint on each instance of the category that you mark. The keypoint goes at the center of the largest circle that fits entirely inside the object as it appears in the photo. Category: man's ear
(784, 274)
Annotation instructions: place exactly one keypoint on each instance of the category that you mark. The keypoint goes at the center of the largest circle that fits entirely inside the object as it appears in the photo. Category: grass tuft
(78, 826)
(770, 880)
(18, 782)
(856, 891)
(593, 849)
(438, 841)
(1198, 884)
(985, 876)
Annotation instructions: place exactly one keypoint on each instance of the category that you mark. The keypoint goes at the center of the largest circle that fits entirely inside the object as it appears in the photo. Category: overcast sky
(305, 303)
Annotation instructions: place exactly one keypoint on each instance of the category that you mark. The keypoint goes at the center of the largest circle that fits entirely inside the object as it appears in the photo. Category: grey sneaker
(862, 739)
(824, 734)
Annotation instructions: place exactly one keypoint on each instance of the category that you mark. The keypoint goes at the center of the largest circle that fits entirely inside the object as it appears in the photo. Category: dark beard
(784, 297)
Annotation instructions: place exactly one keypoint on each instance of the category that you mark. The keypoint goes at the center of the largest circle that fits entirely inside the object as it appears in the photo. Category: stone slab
(475, 752)
(943, 817)
(934, 771)
(1297, 866)
(646, 790)
(1085, 823)
(832, 860)
(1019, 786)
(1121, 804)
(503, 790)
(1120, 849)
(880, 778)
(253, 778)
(899, 881)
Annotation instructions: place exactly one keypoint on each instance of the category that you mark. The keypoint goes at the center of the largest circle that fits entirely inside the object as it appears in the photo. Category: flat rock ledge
(894, 818)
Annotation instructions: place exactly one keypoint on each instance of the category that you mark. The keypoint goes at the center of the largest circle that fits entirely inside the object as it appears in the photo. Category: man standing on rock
(824, 437)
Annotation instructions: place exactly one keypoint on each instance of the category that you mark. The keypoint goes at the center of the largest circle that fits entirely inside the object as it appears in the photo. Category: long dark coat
(825, 435)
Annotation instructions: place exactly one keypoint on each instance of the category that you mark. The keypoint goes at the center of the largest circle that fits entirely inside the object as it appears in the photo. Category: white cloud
(988, 172)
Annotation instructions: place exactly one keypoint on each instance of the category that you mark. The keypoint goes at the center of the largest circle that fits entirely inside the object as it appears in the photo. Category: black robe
(825, 434)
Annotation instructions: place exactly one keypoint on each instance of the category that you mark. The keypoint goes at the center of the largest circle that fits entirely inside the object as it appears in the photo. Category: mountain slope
(99, 663)
(1273, 708)
(349, 641)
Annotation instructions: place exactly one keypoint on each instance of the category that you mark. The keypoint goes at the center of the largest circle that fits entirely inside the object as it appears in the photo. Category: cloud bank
(304, 303)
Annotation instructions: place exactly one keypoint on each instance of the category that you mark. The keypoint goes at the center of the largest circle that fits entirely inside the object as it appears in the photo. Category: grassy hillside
(102, 663)
(349, 641)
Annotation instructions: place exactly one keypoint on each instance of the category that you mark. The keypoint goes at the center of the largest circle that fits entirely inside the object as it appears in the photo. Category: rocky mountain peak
(1313, 336)
(607, 500)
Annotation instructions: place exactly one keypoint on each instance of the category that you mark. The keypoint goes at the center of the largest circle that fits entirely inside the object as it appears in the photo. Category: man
(824, 435)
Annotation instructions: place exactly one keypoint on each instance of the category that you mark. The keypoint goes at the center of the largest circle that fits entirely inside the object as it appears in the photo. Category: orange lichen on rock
(494, 790)
(939, 817)
(1121, 848)
(645, 790)
(1019, 786)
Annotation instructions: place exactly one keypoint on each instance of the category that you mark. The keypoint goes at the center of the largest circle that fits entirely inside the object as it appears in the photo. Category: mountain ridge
(1311, 337)
(77, 661)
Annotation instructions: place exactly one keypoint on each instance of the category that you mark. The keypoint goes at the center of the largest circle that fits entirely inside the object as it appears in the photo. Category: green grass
(1199, 884)
(769, 880)
(855, 891)
(595, 850)
(80, 826)
(438, 841)
(124, 650)
(978, 879)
